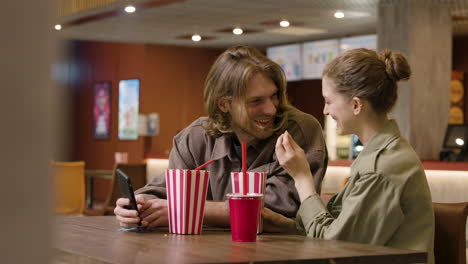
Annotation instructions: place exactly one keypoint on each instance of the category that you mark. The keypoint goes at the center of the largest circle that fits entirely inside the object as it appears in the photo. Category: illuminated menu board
(366, 41)
(289, 58)
(316, 54)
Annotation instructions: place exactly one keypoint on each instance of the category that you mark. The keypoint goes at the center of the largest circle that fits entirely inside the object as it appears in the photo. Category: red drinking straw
(244, 166)
(204, 165)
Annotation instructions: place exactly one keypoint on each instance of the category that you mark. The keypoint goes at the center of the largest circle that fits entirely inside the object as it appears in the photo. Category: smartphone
(127, 190)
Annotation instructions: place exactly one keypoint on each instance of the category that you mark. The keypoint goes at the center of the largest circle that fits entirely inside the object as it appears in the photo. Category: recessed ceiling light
(196, 37)
(339, 14)
(284, 23)
(237, 31)
(130, 9)
(58, 27)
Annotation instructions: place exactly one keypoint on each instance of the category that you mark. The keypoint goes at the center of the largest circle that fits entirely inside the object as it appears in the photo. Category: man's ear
(224, 104)
(357, 105)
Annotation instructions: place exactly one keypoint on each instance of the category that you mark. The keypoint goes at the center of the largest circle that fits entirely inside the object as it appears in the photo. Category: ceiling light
(339, 14)
(237, 31)
(459, 141)
(284, 23)
(130, 9)
(58, 27)
(196, 37)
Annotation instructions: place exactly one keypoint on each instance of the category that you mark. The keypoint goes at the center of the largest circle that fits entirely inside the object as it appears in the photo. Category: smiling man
(245, 98)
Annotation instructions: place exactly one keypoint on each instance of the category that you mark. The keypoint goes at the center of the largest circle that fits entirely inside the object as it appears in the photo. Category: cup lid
(241, 195)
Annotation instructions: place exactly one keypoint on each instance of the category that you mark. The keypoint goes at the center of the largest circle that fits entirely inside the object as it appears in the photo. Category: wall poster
(101, 110)
(129, 92)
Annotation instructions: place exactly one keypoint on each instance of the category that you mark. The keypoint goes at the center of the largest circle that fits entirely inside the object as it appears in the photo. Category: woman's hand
(293, 159)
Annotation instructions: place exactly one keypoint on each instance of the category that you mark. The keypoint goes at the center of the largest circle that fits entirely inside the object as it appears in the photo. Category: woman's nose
(325, 110)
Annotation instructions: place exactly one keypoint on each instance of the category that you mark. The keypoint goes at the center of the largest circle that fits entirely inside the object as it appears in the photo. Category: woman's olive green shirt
(385, 202)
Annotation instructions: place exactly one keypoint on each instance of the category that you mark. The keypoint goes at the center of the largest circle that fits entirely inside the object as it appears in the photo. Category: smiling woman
(387, 199)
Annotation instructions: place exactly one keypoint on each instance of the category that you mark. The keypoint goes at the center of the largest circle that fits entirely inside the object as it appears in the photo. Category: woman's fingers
(287, 142)
(291, 141)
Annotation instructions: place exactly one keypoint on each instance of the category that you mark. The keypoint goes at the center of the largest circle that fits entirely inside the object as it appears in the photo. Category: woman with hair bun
(387, 199)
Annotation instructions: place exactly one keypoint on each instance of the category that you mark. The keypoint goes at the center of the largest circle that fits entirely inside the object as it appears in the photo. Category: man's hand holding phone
(130, 217)
(153, 212)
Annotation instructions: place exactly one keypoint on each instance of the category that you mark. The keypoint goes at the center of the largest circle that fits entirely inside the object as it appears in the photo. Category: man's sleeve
(281, 195)
(370, 213)
(309, 137)
(157, 187)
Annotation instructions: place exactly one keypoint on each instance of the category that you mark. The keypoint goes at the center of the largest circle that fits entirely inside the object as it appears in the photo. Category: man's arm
(217, 214)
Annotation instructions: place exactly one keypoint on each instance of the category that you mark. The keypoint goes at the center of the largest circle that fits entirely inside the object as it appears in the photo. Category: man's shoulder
(195, 129)
(306, 122)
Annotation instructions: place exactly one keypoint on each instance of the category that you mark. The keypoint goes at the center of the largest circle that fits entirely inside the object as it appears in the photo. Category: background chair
(137, 174)
(69, 187)
(450, 230)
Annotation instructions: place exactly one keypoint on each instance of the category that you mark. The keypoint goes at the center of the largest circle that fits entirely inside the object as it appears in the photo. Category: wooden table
(96, 239)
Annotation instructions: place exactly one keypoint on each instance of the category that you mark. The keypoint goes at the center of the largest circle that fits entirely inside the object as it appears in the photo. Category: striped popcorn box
(186, 196)
(256, 184)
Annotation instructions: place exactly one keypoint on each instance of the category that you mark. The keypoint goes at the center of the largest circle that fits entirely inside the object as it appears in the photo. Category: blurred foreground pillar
(421, 30)
(26, 130)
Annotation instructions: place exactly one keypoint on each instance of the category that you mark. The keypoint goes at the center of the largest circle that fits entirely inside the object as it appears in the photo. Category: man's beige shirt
(193, 147)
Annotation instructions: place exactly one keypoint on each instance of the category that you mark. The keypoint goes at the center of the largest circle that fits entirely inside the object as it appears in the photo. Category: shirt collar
(366, 159)
(223, 145)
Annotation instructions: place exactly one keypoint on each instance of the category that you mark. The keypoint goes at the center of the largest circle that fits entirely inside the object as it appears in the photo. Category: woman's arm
(292, 158)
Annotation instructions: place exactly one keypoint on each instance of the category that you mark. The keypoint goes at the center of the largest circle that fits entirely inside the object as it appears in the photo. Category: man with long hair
(245, 98)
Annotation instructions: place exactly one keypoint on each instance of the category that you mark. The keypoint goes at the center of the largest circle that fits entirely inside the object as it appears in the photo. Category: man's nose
(270, 107)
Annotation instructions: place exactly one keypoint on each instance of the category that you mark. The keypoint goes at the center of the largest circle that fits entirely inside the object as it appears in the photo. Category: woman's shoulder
(398, 161)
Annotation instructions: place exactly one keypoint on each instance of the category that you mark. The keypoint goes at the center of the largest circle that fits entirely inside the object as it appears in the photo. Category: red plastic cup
(244, 211)
(256, 184)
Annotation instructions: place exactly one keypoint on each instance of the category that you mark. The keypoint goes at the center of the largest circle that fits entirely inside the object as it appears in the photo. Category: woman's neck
(370, 126)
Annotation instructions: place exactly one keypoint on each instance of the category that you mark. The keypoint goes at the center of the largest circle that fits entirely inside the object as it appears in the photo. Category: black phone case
(126, 189)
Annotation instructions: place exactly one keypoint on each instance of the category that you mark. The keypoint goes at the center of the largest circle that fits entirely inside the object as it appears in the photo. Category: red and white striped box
(186, 197)
(256, 184)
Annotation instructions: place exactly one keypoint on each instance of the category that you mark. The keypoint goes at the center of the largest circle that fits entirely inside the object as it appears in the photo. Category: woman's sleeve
(370, 212)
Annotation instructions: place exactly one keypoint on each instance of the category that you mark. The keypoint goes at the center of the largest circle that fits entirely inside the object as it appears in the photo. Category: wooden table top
(96, 239)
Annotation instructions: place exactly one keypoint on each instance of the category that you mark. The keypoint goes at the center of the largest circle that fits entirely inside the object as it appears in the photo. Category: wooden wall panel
(171, 83)
(174, 80)
(307, 96)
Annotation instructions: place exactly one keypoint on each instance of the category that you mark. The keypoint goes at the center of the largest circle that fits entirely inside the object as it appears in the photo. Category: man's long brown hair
(228, 79)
